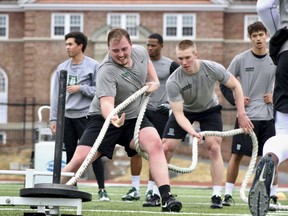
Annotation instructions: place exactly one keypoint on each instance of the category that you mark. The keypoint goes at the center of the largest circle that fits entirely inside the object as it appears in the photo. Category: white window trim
(66, 25)
(179, 27)
(123, 22)
(246, 24)
(7, 27)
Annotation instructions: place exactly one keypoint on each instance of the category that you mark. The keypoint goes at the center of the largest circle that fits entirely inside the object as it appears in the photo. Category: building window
(4, 26)
(248, 20)
(130, 22)
(179, 26)
(3, 140)
(3, 97)
(62, 24)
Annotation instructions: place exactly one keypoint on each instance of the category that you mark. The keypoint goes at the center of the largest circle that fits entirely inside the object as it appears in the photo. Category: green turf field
(195, 200)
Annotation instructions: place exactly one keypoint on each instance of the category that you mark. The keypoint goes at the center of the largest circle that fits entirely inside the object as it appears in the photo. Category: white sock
(156, 190)
(217, 190)
(150, 185)
(136, 182)
(229, 188)
(274, 189)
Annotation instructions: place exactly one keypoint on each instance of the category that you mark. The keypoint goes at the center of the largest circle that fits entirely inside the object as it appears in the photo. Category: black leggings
(280, 95)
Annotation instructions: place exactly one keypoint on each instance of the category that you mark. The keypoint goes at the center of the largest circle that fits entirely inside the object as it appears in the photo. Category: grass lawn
(195, 200)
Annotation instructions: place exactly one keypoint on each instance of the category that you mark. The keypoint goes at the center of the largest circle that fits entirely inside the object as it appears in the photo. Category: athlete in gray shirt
(192, 98)
(256, 72)
(125, 70)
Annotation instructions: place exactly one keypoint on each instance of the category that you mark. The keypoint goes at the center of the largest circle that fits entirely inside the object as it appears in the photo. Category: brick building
(32, 36)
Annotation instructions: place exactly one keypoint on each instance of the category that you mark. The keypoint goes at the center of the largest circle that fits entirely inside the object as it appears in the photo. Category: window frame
(6, 36)
(67, 24)
(247, 22)
(123, 22)
(179, 26)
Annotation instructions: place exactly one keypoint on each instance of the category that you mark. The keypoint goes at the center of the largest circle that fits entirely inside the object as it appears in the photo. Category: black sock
(165, 191)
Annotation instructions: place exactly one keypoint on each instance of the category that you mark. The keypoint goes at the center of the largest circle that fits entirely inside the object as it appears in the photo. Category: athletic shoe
(274, 200)
(154, 201)
(216, 202)
(148, 195)
(103, 196)
(170, 204)
(132, 195)
(259, 194)
(228, 200)
(274, 203)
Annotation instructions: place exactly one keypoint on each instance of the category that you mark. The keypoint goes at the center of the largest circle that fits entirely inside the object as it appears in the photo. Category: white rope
(102, 133)
(195, 154)
(212, 133)
(137, 128)
(278, 207)
(250, 167)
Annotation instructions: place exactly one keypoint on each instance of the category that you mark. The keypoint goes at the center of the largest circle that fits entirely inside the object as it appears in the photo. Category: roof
(130, 5)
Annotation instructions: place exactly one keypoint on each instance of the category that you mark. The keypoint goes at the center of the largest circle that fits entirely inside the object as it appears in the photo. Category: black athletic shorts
(242, 143)
(209, 120)
(158, 119)
(122, 136)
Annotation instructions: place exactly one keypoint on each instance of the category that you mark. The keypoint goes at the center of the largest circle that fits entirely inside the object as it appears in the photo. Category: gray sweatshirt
(83, 74)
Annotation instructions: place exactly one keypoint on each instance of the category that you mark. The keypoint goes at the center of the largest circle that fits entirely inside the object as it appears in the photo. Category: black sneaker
(131, 195)
(259, 194)
(216, 202)
(274, 203)
(274, 200)
(228, 200)
(171, 204)
(148, 195)
(153, 201)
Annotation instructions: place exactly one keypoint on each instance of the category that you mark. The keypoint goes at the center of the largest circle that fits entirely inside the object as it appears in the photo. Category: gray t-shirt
(197, 91)
(120, 82)
(257, 76)
(162, 67)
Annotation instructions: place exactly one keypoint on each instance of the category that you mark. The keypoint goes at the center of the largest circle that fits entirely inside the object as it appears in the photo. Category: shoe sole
(128, 199)
(259, 195)
(151, 205)
(226, 204)
(104, 199)
(216, 206)
(173, 207)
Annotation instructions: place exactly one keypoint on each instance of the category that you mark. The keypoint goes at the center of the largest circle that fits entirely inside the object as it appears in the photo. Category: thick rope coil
(137, 128)
(102, 133)
(279, 207)
(213, 133)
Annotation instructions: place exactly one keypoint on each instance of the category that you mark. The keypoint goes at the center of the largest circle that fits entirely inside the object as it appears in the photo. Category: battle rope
(195, 155)
(102, 133)
(194, 143)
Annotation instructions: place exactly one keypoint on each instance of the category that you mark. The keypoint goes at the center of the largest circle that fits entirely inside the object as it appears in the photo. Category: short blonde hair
(186, 44)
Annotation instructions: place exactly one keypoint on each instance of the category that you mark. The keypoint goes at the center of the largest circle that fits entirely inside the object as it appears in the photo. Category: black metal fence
(19, 123)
